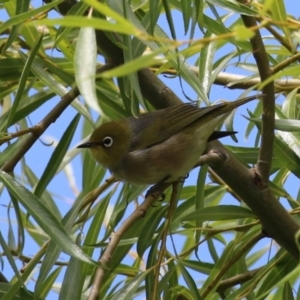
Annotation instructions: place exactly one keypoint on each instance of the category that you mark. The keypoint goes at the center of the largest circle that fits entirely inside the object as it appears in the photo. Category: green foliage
(197, 247)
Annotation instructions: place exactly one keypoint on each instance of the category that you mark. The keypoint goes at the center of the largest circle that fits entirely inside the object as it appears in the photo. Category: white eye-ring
(107, 141)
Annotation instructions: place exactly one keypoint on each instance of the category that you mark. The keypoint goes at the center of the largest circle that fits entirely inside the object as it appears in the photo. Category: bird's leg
(158, 187)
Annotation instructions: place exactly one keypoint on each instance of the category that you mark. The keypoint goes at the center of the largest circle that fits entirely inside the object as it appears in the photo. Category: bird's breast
(172, 158)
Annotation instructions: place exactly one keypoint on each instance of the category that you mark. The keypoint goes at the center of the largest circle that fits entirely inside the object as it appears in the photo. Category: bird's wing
(153, 128)
(181, 116)
(148, 131)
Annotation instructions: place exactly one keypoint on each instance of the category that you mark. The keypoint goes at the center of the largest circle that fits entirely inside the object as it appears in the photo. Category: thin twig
(285, 63)
(14, 135)
(247, 246)
(43, 125)
(40, 128)
(90, 199)
(115, 238)
(172, 205)
(235, 280)
(279, 38)
(236, 81)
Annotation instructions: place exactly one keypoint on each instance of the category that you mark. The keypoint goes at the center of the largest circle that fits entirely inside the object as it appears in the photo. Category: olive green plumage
(160, 145)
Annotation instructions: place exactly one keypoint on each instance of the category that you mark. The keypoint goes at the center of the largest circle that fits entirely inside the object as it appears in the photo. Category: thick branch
(268, 115)
(151, 86)
(246, 183)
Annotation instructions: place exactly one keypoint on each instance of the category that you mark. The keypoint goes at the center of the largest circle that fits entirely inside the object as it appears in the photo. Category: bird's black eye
(107, 142)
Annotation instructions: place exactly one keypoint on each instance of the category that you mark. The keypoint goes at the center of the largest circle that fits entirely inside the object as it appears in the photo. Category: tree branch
(51, 117)
(235, 81)
(246, 183)
(41, 127)
(268, 115)
(235, 280)
(246, 247)
(115, 238)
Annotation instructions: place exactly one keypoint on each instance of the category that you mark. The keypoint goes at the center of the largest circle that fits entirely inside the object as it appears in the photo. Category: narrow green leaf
(169, 18)
(292, 71)
(54, 249)
(101, 209)
(155, 7)
(226, 254)
(134, 65)
(29, 33)
(19, 19)
(179, 64)
(85, 66)
(11, 260)
(43, 217)
(12, 37)
(27, 106)
(287, 293)
(77, 21)
(46, 198)
(56, 157)
(130, 288)
(142, 23)
(78, 9)
(12, 245)
(49, 282)
(70, 288)
(220, 212)
(279, 14)
(151, 261)
(234, 6)
(186, 7)
(285, 269)
(243, 33)
(11, 150)
(198, 266)
(22, 6)
(166, 281)
(18, 294)
(289, 106)
(199, 197)
(287, 156)
(281, 124)
(189, 281)
(212, 250)
(207, 56)
(16, 287)
(146, 237)
(219, 28)
(23, 79)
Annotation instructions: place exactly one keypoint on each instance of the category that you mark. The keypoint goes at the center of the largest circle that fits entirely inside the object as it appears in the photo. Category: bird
(160, 146)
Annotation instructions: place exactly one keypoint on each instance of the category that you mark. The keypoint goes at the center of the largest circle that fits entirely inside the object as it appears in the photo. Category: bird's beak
(87, 145)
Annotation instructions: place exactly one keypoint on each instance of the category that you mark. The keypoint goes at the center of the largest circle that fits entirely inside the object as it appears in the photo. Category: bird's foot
(154, 192)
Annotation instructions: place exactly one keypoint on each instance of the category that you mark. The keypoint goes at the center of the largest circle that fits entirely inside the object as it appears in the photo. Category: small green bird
(160, 146)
